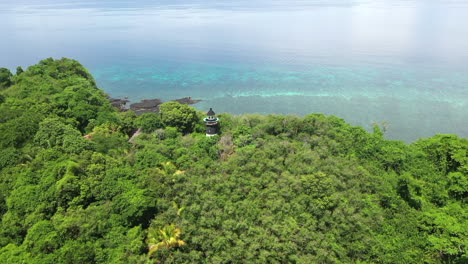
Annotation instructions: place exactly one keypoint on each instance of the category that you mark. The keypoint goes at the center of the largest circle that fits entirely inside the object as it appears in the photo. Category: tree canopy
(180, 116)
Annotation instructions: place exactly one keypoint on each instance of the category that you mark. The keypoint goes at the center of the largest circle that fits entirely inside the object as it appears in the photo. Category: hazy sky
(397, 30)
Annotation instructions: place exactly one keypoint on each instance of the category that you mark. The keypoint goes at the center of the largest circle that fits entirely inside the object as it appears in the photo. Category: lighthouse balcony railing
(211, 119)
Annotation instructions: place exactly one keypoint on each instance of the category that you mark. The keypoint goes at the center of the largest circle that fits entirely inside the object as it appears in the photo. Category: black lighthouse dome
(211, 112)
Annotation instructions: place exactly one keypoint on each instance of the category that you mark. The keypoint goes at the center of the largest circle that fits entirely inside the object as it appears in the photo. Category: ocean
(402, 63)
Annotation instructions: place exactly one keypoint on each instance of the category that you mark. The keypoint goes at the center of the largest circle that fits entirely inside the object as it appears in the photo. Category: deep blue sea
(403, 62)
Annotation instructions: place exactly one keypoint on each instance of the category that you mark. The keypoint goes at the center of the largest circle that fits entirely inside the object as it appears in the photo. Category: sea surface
(399, 62)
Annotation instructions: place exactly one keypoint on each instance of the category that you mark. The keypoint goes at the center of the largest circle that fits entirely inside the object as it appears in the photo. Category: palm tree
(166, 237)
(167, 168)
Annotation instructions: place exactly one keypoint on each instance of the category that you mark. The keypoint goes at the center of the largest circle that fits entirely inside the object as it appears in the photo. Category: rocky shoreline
(147, 105)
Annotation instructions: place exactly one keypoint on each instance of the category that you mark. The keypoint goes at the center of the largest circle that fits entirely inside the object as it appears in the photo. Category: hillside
(268, 189)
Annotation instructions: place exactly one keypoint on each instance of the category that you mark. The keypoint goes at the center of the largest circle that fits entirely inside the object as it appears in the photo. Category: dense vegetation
(269, 189)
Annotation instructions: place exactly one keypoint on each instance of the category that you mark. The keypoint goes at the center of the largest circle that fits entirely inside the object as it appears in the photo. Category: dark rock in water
(119, 103)
(187, 100)
(146, 103)
(146, 106)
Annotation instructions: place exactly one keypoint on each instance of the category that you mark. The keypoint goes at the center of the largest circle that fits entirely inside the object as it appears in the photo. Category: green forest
(267, 189)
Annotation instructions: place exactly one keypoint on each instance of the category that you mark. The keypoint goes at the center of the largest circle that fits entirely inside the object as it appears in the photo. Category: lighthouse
(212, 123)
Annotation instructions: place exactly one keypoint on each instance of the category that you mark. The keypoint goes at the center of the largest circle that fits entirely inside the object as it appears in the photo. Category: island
(256, 189)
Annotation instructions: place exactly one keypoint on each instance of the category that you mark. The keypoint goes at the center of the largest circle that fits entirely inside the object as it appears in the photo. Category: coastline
(407, 119)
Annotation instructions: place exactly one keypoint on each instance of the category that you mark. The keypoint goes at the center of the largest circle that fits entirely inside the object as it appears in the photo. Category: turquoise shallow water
(394, 61)
(413, 102)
